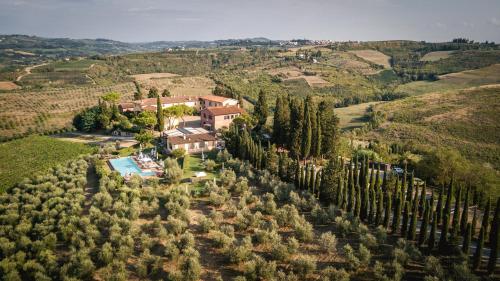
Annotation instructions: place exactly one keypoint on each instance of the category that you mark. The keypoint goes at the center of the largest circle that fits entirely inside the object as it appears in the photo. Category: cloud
(494, 21)
(468, 24)
(441, 25)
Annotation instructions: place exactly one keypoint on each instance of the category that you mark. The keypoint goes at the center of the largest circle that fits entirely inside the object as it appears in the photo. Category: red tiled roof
(214, 98)
(152, 101)
(224, 110)
(191, 138)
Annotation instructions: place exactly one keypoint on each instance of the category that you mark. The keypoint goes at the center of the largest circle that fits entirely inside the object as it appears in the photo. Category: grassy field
(52, 110)
(178, 86)
(196, 165)
(373, 56)
(466, 120)
(454, 81)
(29, 156)
(353, 116)
(435, 56)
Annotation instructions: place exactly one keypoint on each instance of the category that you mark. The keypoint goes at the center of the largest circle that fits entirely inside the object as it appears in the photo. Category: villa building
(150, 103)
(214, 118)
(217, 101)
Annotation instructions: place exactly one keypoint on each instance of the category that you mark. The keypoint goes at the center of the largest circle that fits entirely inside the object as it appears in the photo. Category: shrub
(304, 231)
(331, 273)
(352, 261)
(279, 252)
(344, 226)
(381, 234)
(206, 224)
(292, 245)
(461, 272)
(190, 268)
(369, 241)
(241, 185)
(433, 267)
(319, 215)
(185, 241)
(364, 255)
(269, 207)
(259, 269)
(173, 173)
(209, 165)
(303, 265)
(220, 239)
(401, 256)
(328, 242)
(175, 226)
(242, 252)
(228, 177)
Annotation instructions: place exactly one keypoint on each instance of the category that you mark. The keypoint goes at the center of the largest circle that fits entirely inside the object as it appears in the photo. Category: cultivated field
(49, 111)
(374, 57)
(29, 156)
(435, 56)
(455, 81)
(353, 116)
(178, 86)
(7, 86)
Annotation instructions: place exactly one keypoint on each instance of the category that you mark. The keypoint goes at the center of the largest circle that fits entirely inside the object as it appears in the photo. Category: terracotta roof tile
(224, 110)
(191, 138)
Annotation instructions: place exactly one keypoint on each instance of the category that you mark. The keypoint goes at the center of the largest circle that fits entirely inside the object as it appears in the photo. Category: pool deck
(126, 172)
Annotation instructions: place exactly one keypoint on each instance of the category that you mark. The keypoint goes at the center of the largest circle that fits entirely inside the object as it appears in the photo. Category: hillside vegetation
(465, 120)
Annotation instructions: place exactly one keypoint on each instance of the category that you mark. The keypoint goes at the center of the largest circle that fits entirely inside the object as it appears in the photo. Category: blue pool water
(126, 165)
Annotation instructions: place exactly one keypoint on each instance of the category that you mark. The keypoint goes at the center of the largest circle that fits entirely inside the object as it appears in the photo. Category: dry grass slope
(373, 56)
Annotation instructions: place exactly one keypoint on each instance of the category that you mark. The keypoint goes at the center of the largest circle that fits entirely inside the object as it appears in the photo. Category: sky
(169, 20)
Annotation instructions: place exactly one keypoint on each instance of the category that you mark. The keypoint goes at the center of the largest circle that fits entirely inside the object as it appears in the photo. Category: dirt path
(28, 71)
(90, 188)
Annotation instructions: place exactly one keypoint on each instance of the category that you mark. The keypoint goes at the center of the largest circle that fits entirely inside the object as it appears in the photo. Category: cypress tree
(409, 193)
(160, 120)
(261, 109)
(432, 235)
(439, 206)
(413, 221)
(465, 213)
(373, 204)
(327, 184)
(365, 203)
(388, 208)
(281, 124)
(425, 224)
(350, 199)
(317, 182)
(421, 202)
(380, 207)
(296, 127)
(345, 192)
(317, 136)
(340, 187)
(297, 174)
(447, 206)
(302, 177)
(443, 241)
(406, 217)
(474, 222)
(486, 218)
(396, 218)
(494, 239)
(404, 179)
(476, 262)
(307, 129)
(357, 204)
(384, 182)
(455, 227)
(311, 179)
(372, 178)
(377, 178)
(356, 172)
(467, 239)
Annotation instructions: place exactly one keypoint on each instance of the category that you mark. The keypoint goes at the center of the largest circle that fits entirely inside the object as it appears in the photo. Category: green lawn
(196, 165)
(28, 156)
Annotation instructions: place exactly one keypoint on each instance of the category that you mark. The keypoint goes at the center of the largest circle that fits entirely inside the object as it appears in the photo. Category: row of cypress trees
(364, 189)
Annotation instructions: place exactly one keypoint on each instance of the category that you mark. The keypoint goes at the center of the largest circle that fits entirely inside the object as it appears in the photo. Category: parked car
(397, 170)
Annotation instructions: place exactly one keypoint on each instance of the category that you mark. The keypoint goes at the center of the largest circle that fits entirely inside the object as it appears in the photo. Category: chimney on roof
(184, 136)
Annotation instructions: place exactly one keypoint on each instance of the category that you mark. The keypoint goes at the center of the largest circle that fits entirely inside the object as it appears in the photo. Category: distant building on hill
(214, 118)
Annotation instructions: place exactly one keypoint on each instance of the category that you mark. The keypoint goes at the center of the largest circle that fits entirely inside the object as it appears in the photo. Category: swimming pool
(126, 166)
